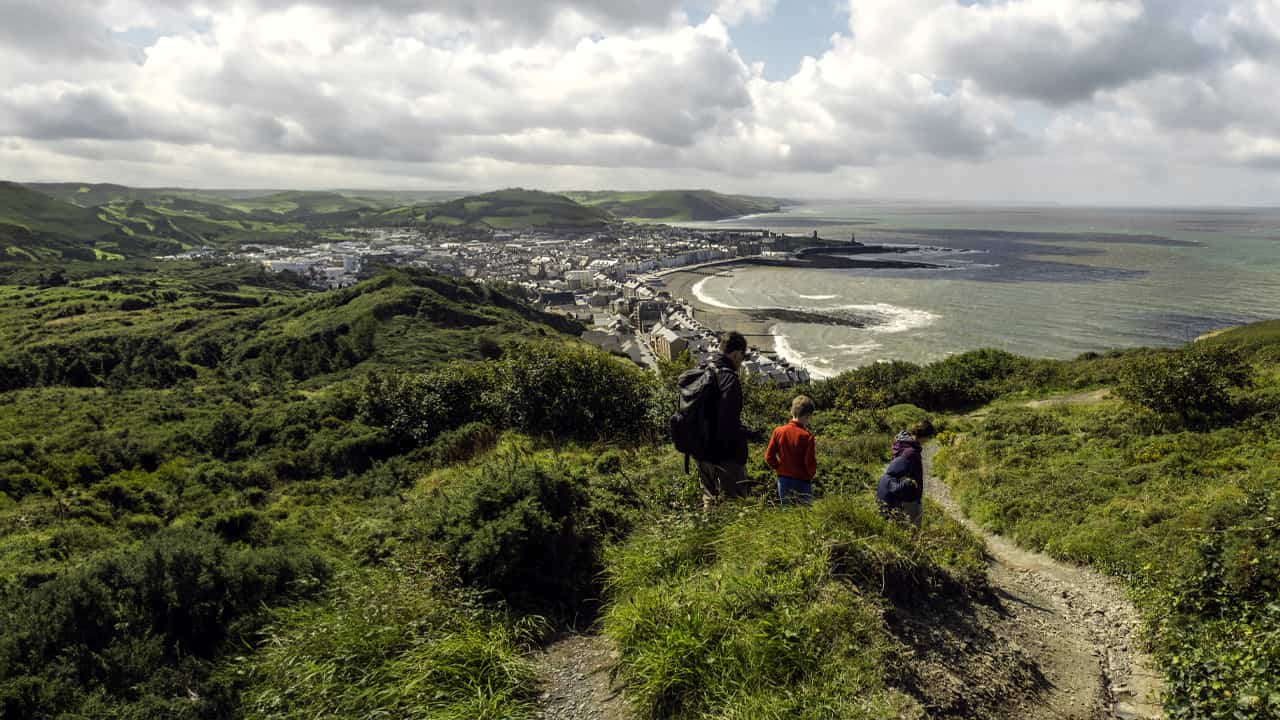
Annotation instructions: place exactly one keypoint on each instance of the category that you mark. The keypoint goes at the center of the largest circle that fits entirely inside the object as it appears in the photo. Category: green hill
(34, 226)
(295, 204)
(676, 205)
(223, 495)
(515, 209)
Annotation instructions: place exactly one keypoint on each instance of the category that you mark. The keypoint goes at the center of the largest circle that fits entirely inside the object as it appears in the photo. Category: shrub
(961, 381)
(416, 409)
(515, 528)
(109, 625)
(573, 391)
(569, 391)
(1194, 384)
(462, 444)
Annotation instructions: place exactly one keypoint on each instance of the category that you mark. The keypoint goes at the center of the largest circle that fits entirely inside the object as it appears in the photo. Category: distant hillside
(517, 208)
(294, 203)
(75, 220)
(243, 322)
(676, 205)
(36, 227)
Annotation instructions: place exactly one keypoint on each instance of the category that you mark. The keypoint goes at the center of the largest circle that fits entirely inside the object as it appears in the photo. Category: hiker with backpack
(707, 425)
(900, 490)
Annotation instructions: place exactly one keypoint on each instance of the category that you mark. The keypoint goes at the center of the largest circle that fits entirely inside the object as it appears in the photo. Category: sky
(1116, 102)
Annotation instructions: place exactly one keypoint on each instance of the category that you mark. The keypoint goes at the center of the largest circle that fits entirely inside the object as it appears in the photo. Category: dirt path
(1076, 626)
(576, 680)
(1092, 397)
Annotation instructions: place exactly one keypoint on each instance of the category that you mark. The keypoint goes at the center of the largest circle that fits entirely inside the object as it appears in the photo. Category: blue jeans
(798, 491)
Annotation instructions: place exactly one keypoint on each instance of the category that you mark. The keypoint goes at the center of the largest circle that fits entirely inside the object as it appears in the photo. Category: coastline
(680, 284)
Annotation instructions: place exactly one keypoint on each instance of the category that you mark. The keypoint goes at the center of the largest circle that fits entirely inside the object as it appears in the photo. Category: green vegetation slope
(515, 209)
(676, 205)
(1172, 485)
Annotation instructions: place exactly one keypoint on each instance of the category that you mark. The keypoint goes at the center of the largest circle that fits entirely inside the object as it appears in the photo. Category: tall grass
(395, 643)
(1187, 517)
(766, 613)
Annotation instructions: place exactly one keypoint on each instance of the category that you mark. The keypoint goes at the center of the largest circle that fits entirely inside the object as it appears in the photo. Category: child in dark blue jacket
(901, 487)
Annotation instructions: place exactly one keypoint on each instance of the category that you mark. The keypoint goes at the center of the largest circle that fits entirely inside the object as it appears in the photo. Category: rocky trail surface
(1075, 627)
(577, 680)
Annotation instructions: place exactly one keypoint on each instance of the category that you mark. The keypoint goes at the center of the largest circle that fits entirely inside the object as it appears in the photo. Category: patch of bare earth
(576, 672)
(1058, 642)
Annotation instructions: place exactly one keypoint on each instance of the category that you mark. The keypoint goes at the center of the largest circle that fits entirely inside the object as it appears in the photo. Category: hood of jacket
(901, 447)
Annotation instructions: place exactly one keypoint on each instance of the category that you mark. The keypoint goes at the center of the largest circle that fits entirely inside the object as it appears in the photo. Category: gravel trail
(576, 674)
(1075, 625)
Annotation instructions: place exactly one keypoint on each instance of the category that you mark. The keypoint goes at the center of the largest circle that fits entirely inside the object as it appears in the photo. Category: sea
(1051, 282)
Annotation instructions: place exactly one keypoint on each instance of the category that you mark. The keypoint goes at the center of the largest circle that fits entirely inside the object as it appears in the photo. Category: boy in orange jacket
(792, 456)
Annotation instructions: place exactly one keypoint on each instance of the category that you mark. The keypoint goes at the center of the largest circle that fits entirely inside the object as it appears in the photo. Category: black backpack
(694, 422)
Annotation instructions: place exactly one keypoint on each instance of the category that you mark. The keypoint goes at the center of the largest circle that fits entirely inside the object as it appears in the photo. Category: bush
(514, 528)
(462, 444)
(574, 391)
(961, 381)
(568, 391)
(109, 625)
(1194, 384)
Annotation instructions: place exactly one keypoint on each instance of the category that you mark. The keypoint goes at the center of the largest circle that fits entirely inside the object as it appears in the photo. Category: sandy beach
(680, 285)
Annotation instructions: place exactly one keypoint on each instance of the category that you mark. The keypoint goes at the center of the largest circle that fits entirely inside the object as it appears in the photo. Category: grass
(761, 612)
(766, 613)
(1185, 515)
(395, 642)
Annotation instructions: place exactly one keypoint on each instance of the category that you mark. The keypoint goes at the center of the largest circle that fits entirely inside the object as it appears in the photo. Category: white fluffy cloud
(912, 98)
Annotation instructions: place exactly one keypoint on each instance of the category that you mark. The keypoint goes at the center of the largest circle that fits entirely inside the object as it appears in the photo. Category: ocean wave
(782, 347)
(860, 348)
(886, 318)
(706, 299)
(818, 297)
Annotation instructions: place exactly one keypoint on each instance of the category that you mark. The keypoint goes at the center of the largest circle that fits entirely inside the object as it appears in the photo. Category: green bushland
(1175, 490)
(223, 495)
(140, 622)
(172, 476)
(967, 380)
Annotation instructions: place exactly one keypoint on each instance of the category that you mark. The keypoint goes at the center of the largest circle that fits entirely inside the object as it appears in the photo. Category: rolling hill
(517, 208)
(34, 227)
(676, 205)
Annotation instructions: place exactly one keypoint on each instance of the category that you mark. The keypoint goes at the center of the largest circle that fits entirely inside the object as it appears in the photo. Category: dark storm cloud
(1040, 59)
(531, 16)
(86, 114)
(58, 29)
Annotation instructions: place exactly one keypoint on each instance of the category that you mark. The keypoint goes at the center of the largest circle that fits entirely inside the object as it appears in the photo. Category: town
(609, 279)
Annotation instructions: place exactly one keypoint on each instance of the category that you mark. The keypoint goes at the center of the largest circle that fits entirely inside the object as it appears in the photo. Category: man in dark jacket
(723, 472)
(901, 487)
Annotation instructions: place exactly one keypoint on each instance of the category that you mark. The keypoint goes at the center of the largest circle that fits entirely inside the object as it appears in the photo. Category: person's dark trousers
(721, 480)
(794, 492)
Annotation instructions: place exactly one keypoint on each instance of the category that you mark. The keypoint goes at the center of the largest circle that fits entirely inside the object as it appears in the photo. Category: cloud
(1052, 51)
(57, 29)
(492, 90)
(736, 11)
